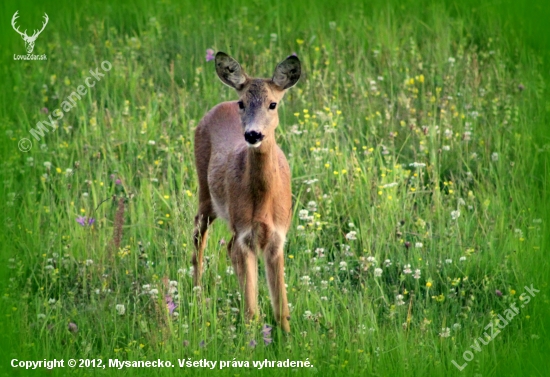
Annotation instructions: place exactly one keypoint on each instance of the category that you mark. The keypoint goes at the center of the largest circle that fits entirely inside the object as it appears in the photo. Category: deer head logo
(29, 41)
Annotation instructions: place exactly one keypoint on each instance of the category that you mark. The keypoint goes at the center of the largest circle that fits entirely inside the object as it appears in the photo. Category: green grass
(458, 91)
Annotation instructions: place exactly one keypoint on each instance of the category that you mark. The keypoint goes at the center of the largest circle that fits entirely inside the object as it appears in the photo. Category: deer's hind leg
(204, 218)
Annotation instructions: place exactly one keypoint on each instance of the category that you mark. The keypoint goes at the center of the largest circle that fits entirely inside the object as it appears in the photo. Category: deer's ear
(230, 71)
(287, 73)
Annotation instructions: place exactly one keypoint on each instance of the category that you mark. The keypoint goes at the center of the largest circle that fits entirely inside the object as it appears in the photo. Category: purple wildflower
(170, 304)
(266, 334)
(73, 327)
(202, 344)
(252, 343)
(118, 182)
(209, 54)
(498, 293)
(84, 221)
(44, 110)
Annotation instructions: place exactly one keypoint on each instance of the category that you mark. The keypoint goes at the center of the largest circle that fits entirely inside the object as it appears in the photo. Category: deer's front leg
(245, 264)
(274, 265)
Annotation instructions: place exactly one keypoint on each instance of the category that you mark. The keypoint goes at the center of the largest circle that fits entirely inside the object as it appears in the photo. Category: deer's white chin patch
(255, 145)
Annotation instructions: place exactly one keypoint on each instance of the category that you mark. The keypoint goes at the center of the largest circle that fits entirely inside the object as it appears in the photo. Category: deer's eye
(241, 105)
(272, 106)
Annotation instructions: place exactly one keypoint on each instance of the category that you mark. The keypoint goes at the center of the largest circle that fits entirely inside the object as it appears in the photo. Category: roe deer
(244, 178)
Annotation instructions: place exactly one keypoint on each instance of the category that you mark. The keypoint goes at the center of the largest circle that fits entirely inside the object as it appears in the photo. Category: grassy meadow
(418, 144)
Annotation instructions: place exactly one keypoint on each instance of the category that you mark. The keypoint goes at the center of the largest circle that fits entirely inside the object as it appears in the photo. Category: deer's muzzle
(253, 138)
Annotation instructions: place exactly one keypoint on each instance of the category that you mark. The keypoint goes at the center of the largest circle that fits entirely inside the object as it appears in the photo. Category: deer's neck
(262, 170)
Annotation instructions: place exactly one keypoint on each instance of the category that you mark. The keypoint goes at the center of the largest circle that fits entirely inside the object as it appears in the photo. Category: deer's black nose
(252, 137)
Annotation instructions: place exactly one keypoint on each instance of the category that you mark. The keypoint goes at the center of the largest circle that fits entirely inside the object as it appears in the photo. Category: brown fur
(248, 187)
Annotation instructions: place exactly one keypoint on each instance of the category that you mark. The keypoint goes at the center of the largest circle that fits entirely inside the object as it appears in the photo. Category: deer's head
(259, 98)
(29, 40)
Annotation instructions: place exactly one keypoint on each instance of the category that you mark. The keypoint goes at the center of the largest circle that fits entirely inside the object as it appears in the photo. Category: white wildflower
(418, 245)
(121, 309)
(310, 182)
(445, 332)
(399, 300)
(377, 272)
(312, 206)
(351, 235)
(494, 156)
(455, 214)
(303, 214)
(416, 274)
